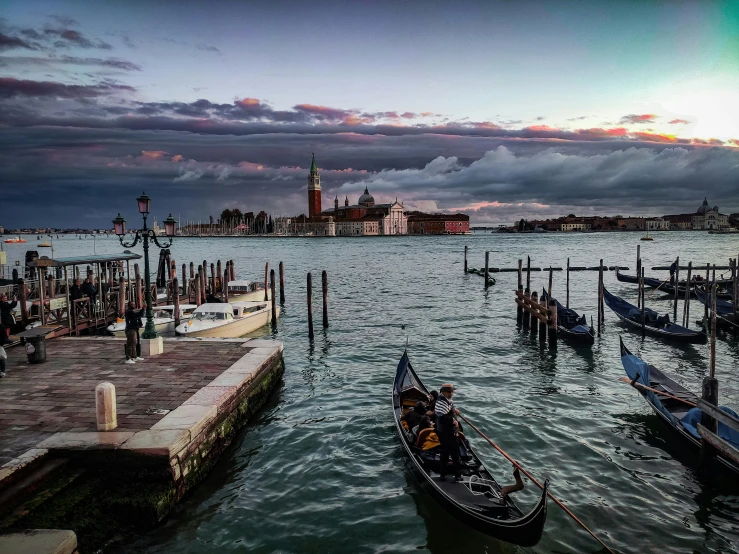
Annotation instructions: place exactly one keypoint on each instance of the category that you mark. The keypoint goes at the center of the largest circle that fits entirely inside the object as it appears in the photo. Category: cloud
(207, 48)
(633, 119)
(10, 42)
(10, 88)
(109, 63)
(679, 122)
(70, 37)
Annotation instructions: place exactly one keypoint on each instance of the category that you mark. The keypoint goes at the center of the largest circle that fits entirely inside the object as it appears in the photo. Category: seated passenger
(508, 489)
(431, 410)
(427, 437)
(413, 417)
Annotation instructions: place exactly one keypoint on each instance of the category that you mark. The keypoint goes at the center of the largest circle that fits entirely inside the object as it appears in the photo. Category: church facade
(707, 218)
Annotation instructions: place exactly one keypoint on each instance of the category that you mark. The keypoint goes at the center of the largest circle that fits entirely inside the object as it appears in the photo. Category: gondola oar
(650, 389)
(655, 290)
(527, 474)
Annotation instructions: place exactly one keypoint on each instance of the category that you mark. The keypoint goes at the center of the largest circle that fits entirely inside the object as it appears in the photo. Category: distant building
(656, 224)
(679, 222)
(420, 223)
(388, 219)
(707, 218)
(576, 225)
(632, 223)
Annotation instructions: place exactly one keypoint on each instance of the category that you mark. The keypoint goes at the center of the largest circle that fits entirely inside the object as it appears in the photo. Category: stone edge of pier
(178, 451)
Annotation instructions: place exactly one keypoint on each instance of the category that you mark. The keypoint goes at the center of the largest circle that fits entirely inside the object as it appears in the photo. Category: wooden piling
(225, 280)
(526, 315)
(198, 297)
(686, 301)
(519, 309)
(310, 305)
(282, 283)
(213, 289)
(549, 289)
(274, 298)
(266, 273)
(601, 313)
(641, 294)
(201, 285)
(465, 260)
(567, 304)
(41, 287)
(677, 286)
(735, 292)
(219, 272)
(176, 288)
(324, 283)
(528, 273)
(543, 323)
(121, 296)
(706, 290)
(185, 290)
(638, 271)
(552, 324)
(710, 394)
(233, 271)
(487, 271)
(534, 321)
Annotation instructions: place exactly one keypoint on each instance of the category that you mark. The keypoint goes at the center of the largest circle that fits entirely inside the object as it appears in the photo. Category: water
(320, 468)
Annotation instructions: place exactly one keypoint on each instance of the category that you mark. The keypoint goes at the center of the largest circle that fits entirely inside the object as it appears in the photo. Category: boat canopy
(219, 308)
(239, 283)
(45, 261)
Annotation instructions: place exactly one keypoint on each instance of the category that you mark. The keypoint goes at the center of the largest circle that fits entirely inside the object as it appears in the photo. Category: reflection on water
(319, 470)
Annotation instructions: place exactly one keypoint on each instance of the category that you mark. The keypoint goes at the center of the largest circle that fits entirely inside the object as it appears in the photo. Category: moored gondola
(477, 499)
(674, 406)
(572, 326)
(669, 289)
(654, 324)
(724, 309)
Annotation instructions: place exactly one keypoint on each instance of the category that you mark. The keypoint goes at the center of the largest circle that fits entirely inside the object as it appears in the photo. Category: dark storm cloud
(70, 37)
(110, 63)
(8, 42)
(11, 88)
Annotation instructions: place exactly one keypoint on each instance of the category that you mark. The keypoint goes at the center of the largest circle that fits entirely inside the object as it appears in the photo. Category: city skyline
(500, 111)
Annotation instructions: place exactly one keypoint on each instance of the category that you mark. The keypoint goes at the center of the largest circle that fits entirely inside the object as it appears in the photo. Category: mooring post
(201, 288)
(213, 289)
(324, 283)
(638, 272)
(225, 280)
(233, 271)
(519, 309)
(105, 407)
(549, 290)
(641, 293)
(185, 292)
(266, 273)
(600, 297)
(567, 304)
(735, 292)
(23, 297)
(465, 260)
(282, 283)
(686, 302)
(219, 272)
(274, 301)
(677, 286)
(121, 296)
(487, 272)
(710, 394)
(526, 314)
(707, 290)
(543, 321)
(198, 295)
(310, 306)
(528, 273)
(176, 288)
(532, 310)
(552, 324)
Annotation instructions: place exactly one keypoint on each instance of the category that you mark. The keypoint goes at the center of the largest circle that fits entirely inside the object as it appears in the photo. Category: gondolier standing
(446, 429)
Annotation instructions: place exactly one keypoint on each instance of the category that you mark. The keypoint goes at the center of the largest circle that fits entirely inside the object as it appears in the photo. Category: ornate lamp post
(119, 225)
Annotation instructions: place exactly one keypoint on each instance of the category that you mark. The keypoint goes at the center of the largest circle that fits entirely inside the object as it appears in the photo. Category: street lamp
(170, 226)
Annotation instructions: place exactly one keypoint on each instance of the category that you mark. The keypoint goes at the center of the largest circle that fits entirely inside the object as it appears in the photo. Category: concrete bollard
(105, 407)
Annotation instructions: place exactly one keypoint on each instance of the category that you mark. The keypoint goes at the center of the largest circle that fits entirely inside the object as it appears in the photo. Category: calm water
(320, 468)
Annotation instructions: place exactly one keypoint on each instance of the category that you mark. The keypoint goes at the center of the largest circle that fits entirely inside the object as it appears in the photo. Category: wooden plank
(667, 267)
(719, 415)
(724, 448)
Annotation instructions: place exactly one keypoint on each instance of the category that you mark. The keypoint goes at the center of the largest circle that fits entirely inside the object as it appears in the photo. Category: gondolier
(446, 428)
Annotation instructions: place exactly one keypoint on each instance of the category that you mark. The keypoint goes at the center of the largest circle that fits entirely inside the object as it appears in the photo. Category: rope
(527, 474)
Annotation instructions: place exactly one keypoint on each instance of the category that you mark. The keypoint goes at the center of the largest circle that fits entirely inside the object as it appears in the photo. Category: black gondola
(476, 500)
(654, 324)
(724, 309)
(678, 416)
(669, 289)
(572, 326)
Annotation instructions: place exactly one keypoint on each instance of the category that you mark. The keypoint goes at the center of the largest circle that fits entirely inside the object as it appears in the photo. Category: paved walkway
(38, 400)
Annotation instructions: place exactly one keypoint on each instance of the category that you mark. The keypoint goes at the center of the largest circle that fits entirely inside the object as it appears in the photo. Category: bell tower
(314, 190)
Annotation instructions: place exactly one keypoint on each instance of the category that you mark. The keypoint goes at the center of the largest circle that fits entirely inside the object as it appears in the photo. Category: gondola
(676, 415)
(654, 325)
(724, 309)
(476, 500)
(570, 325)
(669, 289)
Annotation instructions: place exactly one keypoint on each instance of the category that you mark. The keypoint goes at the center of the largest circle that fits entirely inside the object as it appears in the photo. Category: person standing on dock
(446, 429)
(133, 324)
(6, 313)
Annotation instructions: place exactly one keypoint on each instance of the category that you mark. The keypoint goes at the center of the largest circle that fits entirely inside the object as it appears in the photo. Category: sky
(501, 110)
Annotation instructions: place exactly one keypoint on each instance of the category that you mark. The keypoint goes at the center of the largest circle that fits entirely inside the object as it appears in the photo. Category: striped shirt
(444, 406)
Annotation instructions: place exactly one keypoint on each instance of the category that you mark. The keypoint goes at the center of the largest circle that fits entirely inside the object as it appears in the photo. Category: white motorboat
(227, 319)
(164, 321)
(242, 290)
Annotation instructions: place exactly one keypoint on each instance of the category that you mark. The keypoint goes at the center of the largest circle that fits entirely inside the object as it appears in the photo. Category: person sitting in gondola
(447, 429)
(413, 417)
(508, 489)
(427, 437)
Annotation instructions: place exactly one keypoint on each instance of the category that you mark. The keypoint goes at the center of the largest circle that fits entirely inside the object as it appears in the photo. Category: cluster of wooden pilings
(536, 313)
(324, 288)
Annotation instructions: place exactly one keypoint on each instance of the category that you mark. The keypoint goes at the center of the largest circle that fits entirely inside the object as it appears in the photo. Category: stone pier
(176, 413)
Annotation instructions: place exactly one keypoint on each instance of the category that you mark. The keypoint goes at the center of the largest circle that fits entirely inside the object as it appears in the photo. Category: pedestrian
(75, 292)
(3, 354)
(446, 429)
(133, 324)
(6, 313)
(89, 289)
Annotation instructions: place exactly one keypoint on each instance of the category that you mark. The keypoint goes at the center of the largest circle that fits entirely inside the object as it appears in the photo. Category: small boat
(676, 415)
(164, 321)
(646, 237)
(654, 324)
(44, 244)
(242, 290)
(227, 319)
(477, 499)
(15, 240)
(572, 326)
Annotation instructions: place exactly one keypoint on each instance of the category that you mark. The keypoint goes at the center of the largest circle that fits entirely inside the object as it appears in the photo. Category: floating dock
(176, 413)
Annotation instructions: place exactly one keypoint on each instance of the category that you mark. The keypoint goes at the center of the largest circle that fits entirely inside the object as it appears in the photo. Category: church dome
(704, 207)
(366, 199)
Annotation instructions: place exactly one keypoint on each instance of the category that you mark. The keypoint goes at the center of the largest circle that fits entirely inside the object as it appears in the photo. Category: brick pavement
(38, 400)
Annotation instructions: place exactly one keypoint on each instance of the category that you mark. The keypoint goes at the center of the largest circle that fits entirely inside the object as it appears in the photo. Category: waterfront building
(576, 226)
(679, 222)
(420, 223)
(388, 219)
(707, 218)
(656, 224)
(632, 223)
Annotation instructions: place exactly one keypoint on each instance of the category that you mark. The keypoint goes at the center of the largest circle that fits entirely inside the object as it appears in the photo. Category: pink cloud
(679, 121)
(177, 158)
(153, 154)
(408, 115)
